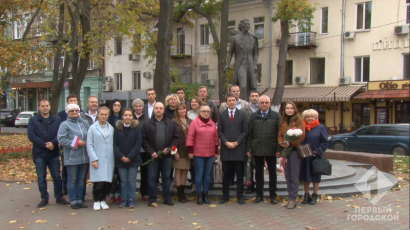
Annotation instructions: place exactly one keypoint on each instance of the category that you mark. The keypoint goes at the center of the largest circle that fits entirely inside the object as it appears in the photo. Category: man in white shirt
(91, 114)
(149, 107)
(241, 104)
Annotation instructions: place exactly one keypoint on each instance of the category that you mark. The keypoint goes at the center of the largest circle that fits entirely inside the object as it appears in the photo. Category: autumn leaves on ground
(16, 162)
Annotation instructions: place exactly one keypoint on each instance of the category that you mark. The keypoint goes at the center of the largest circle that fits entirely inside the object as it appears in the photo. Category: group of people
(165, 140)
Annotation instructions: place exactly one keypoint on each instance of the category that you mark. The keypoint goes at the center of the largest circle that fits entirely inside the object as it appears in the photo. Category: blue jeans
(75, 185)
(128, 183)
(164, 165)
(203, 170)
(53, 164)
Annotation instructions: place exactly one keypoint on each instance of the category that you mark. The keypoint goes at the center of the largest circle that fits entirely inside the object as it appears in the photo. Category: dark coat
(214, 111)
(169, 113)
(317, 139)
(127, 143)
(40, 132)
(141, 120)
(235, 131)
(87, 117)
(262, 139)
(63, 115)
(182, 149)
(149, 135)
(145, 110)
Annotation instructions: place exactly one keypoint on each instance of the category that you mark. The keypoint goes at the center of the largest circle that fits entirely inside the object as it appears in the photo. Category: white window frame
(361, 74)
(203, 71)
(38, 22)
(204, 30)
(364, 16)
(404, 64)
(18, 33)
(118, 81)
(258, 24)
(407, 9)
(321, 20)
(116, 45)
(136, 80)
(91, 63)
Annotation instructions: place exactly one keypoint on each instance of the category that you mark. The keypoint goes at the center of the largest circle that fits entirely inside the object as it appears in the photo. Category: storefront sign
(395, 44)
(388, 85)
(381, 115)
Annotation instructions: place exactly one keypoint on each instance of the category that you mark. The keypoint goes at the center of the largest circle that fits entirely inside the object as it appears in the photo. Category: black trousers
(144, 174)
(228, 167)
(115, 185)
(259, 178)
(101, 190)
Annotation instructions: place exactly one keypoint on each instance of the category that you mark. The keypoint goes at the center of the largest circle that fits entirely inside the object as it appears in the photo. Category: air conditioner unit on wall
(146, 74)
(399, 30)
(344, 80)
(300, 80)
(349, 35)
(107, 79)
(107, 87)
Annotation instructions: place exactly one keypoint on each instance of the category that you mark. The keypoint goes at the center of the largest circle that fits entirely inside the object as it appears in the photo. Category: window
(118, 80)
(258, 26)
(90, 65)
(203, 73)
(136, 80)
(204, 35)
(386, 131)
(180, 41)
(231, 28)
(325, 18)
(367, 131)
(317, 71)
(118, 46)
(406, 66)
(363, 16)
(361, 114)
(289, 73)
(259, 74)
(402, 112)
(321, 109)
(18, 33)
(408, 11)
(362, 69)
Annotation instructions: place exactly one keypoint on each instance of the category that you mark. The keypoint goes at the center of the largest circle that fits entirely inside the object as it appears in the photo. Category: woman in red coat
(202, 142)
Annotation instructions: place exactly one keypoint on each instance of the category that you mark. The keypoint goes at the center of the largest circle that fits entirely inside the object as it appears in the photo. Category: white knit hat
(70, 107)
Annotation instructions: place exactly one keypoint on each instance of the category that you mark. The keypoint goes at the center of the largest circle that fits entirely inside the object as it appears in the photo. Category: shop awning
(316, 94)
(397, 93)
(35, 85)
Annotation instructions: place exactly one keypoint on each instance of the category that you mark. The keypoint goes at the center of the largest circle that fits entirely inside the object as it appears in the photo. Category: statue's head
(244, 25)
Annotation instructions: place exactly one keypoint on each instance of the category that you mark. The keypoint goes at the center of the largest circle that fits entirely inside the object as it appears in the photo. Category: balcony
(302, 40)
(181, 51)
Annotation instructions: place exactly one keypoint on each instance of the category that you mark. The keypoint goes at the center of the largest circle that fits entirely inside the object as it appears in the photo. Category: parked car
(8, 116)
(389, 138)
(23, 118)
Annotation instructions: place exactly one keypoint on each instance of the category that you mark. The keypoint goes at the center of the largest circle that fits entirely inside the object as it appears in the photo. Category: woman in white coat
(101, 153)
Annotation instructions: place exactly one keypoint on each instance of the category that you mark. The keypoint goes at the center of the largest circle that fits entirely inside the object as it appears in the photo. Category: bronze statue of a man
(245, 47)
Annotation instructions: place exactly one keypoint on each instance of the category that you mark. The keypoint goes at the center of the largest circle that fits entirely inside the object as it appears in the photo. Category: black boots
(224, 199)
(313, 199)
(181, 194)
(199, 198)
(306, 198)
(205, 198)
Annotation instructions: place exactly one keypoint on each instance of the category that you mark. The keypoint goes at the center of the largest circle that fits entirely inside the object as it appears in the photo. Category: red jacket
(203, 137)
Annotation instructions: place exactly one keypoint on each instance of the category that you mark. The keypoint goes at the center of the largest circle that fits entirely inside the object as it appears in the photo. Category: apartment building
(352, 66)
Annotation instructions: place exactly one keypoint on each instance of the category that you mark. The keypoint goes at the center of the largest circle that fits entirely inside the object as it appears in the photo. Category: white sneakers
(97, 206)
(104, 205)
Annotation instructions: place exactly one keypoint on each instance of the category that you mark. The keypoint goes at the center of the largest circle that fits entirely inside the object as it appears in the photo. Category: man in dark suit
(149, 107)
(232, 130)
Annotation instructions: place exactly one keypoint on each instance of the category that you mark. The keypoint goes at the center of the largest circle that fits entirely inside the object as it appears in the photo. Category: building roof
(398, 93)
(315, 94)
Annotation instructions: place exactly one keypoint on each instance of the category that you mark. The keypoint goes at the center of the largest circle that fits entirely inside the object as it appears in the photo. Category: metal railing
(302, 39)
(181, 50)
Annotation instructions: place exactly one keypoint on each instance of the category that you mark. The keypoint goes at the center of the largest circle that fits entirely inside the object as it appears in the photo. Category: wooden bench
(383, 162)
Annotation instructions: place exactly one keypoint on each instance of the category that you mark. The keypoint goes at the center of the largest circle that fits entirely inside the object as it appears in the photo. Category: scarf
(311, 125)
(254, 107)
(204, 120)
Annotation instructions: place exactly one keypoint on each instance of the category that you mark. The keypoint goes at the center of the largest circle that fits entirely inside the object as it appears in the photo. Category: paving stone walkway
(18, 211)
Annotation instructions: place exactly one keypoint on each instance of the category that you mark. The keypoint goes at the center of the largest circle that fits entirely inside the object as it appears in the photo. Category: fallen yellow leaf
(73, 213)
(99, 228)
(133, 222)
(7, 184)
(22, 227)
(33, 211)
(195, 223)
(199, 227)
(41, 221)
(130, 210)
(26, 188)
(150, 224)
(26, 205)
(399, 200)
(194, 214)
(310, 228)
(212, 205)
(12, 221)
(43, 208)
(182, 218)
(155, 205)
(169, 212)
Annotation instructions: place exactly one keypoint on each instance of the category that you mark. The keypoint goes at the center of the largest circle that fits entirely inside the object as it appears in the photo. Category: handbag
(217, 174)
(304, 151)
(321, 167)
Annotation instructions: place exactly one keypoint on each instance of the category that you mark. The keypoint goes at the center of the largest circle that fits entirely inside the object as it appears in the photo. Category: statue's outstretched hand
(226, 68)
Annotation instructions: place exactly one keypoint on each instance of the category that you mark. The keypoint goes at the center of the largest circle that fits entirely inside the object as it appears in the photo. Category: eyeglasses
(205, 111)
(74, 111)
(264, 102)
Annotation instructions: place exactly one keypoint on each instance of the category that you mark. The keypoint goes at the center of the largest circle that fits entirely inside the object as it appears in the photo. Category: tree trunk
(58, 81)
(281, 66)
(222, 52)
(161, 77)
(84, 9)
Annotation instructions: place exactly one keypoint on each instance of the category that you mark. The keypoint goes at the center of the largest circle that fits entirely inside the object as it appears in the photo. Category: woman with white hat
(72, 136)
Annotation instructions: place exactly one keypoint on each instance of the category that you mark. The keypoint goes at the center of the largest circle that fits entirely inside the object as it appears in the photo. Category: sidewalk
(18, 203)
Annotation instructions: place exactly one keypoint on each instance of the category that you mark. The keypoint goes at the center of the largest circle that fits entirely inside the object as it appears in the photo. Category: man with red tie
(232, 131)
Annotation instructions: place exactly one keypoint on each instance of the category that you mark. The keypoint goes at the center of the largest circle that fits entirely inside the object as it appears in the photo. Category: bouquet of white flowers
(291, 135)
